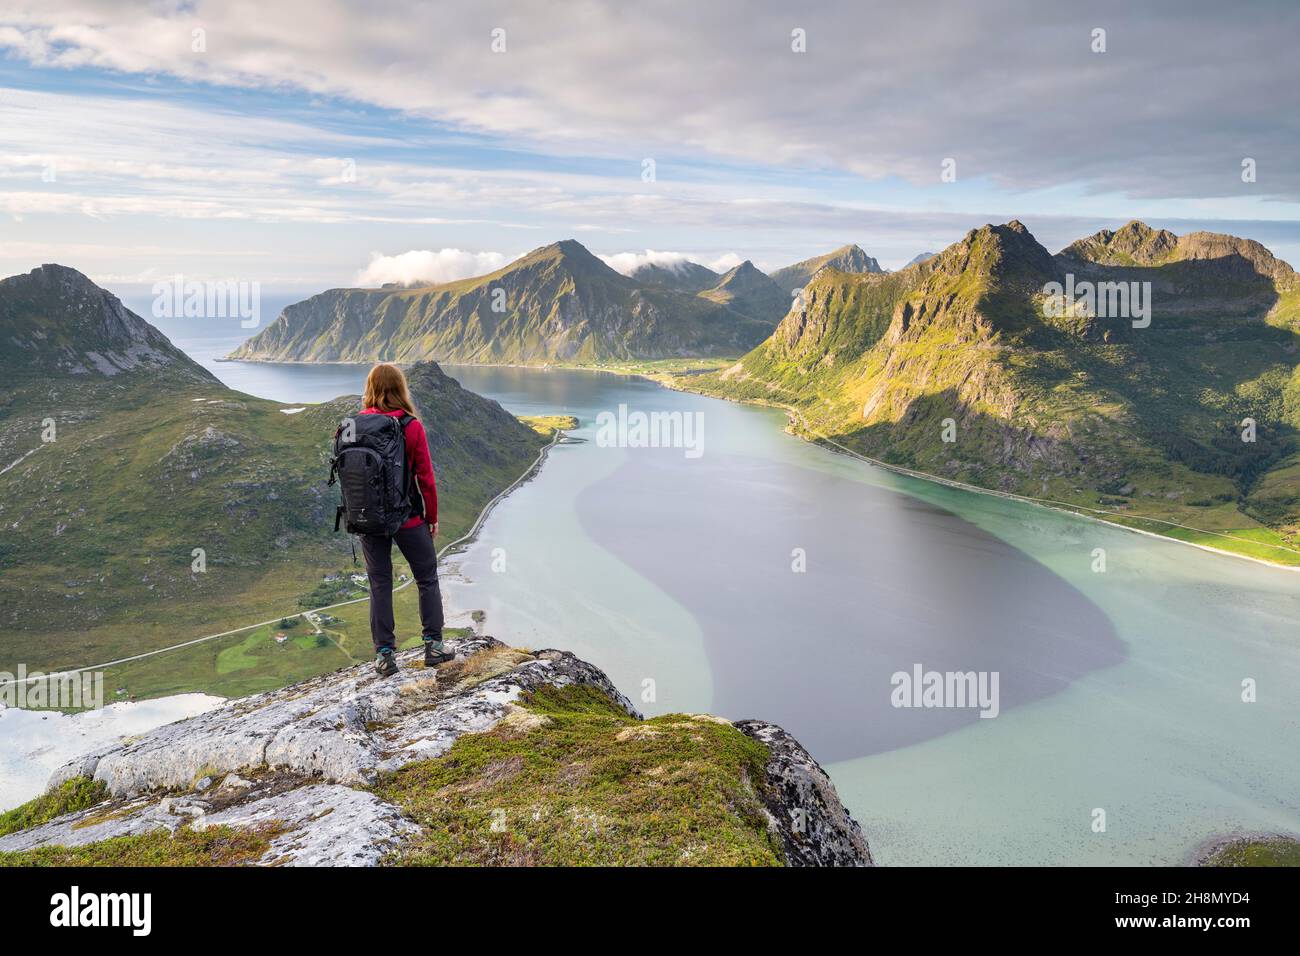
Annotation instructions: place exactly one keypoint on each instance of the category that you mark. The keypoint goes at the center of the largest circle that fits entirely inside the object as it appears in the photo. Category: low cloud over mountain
(420, 266)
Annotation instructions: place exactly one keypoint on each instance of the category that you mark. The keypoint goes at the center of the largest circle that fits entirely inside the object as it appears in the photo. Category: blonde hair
(387, 391)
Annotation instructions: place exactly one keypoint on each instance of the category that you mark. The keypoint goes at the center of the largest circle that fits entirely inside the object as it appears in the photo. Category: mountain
(1138, 418)
(1199, 270)
(680, 277)
(848, 258)
(559, 303)
(119, 456)
(500, 757)
(57, 322)
(921, 257)
(748, 291)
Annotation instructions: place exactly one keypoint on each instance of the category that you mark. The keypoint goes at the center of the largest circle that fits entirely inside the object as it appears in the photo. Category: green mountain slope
(748, 291)
(152, 460)
(848, 258)
(1079, 408)
(557, 304)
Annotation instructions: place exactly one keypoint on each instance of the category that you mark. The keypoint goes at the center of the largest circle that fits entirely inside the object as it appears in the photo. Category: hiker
(389, 495)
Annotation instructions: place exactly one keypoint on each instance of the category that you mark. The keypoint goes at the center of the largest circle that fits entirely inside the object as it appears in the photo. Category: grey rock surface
(296, 761)
(342, 727)
(804, 809)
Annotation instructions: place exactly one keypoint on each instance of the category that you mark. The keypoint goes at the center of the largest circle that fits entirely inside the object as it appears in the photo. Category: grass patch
(548, 425)
(1262, 851)
(69, 797)
(215, 846)
(577, 781)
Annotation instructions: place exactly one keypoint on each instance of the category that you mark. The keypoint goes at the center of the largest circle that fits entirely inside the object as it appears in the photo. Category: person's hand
(433, 529)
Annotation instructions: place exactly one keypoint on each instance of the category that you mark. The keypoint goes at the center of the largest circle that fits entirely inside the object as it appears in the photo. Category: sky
(309, 145)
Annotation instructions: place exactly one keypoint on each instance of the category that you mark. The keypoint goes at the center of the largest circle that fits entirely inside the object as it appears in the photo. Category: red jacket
(417, 456)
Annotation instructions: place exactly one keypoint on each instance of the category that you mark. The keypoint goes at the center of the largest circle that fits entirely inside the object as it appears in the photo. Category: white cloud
(983, 83)
(628, 262)
(725, 263)
(425, 266)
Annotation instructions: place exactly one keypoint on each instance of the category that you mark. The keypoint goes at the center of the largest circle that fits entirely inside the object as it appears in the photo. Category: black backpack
(369, 464)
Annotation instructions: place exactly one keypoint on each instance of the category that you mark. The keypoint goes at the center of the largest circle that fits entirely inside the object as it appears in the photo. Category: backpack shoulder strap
(412, 489)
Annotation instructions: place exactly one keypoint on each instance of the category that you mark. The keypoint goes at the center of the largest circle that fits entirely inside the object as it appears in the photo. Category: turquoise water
(1119, 691)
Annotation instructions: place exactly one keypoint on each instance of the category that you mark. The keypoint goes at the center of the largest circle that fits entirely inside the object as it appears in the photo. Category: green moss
(71, 796)
(565, 701)
(1263, 851)
(573, 780)
(215, 846)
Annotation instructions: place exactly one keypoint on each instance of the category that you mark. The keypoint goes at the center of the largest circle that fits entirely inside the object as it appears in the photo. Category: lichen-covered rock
(342, 727)
(806, 813)
(316, 824)
(297, 763)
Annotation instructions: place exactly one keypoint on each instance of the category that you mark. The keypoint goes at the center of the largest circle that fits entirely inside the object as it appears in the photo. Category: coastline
(673, 383)
(1078, 511)
(531, 472)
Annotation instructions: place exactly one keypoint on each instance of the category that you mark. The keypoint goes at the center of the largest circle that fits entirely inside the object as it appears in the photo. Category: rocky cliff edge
(501, 756)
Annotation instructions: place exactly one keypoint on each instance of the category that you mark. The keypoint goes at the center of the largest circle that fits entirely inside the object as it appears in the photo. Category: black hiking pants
(416, 545)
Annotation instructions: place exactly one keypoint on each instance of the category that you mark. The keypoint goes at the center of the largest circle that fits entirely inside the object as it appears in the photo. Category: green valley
(960, 367)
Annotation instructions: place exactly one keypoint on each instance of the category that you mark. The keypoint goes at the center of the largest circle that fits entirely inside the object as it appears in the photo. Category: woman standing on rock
(380, 467)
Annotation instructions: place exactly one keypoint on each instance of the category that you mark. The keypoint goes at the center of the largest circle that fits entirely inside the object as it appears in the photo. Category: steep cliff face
(971, 365)
(557, 304)
(501, 756)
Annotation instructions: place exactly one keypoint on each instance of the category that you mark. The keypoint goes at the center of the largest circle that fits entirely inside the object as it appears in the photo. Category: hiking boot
(435, 653)
(385, 663)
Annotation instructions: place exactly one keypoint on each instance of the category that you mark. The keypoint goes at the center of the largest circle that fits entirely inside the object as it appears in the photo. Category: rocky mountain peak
(1137, 244)
(572, 254)
(745, 272)
(1134, 243)
(851, 258)
(1008, 252)
(56, 319)
(848, 258)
